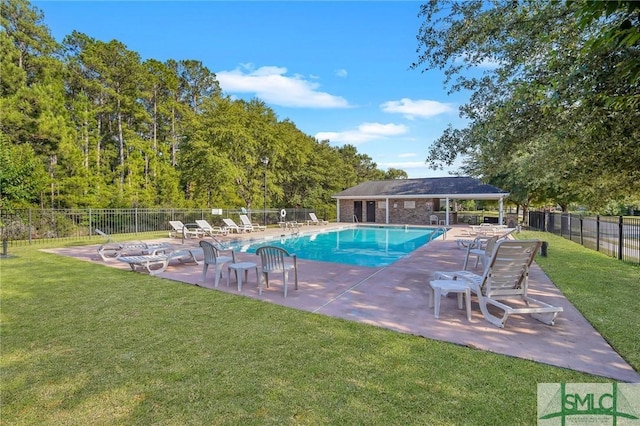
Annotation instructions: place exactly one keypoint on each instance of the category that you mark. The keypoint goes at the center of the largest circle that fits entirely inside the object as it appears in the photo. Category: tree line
(87, 123)
(553, 116)
(554, 111)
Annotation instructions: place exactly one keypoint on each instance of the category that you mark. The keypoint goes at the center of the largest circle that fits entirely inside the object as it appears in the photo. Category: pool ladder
(439, 228)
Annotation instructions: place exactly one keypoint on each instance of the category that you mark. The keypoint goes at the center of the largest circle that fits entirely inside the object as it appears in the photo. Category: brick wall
(406, 211)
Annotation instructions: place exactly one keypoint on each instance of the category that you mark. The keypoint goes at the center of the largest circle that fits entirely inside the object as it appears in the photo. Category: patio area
(396, 297)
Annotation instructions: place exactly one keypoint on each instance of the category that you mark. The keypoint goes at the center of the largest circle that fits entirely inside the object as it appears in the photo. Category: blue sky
(338, 70)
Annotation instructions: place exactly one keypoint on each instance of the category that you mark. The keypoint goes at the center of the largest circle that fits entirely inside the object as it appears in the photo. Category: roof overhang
(496, 196)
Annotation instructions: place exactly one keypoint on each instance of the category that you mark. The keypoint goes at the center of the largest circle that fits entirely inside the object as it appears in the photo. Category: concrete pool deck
(396, 297)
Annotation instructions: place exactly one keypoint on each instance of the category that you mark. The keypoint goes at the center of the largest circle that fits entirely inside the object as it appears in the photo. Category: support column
(338, 210)
(387, 210)
(446, 219)
(500, 213)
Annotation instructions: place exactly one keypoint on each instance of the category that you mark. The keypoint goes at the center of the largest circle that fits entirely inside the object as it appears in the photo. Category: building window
(409, 204)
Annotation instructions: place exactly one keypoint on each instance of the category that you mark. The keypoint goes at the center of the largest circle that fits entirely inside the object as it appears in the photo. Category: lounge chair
(276, 259)
(315, 221)
(231, 226)
(469, 237)
(180, 230)
(157, 260)
(506, 277)
(104, 234)
(246, 222)
(209, 230)
(212, 257)
(110, 251)
(113, 249)
(482, 248)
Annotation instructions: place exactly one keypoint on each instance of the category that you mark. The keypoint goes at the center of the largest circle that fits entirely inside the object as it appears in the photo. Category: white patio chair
(481, 247)
(276, 259)
(506, 277)
(212, 257)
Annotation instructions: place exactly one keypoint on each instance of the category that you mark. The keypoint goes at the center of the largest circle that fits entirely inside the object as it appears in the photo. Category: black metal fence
(31, 226)
(616, 236)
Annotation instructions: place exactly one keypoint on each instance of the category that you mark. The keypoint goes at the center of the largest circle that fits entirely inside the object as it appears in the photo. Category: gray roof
(442, 187)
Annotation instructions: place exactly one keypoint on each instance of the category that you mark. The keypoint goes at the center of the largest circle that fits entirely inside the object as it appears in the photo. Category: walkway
(396, 298)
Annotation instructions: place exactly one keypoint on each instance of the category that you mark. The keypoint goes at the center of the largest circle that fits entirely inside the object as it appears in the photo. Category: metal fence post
(598, 233)
(581, 233)
(620, 237)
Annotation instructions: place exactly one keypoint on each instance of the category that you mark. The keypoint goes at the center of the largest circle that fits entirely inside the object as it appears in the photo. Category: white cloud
(407, 155)
(341, 73)
(363, 133)
(416, 108)
(272, 85)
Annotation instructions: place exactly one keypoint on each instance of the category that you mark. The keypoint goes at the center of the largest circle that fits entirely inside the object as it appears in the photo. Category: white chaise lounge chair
(180, 230)
(246, 222)
(112, 250)
(506, 278)
(157, 259)
(315, 221)
(470, 237)
(231, 226)
(209, 230)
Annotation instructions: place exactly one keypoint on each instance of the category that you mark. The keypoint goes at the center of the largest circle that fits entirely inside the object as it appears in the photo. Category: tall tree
(23, 25)
(33, 105)
(363, 165)
(545, 97)
(23, 178)
(393, 173)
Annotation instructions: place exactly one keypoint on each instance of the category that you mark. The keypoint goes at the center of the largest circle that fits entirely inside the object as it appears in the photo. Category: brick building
(412, 201)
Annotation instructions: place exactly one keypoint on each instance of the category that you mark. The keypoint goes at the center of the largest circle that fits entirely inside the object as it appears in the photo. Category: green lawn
(85, 344)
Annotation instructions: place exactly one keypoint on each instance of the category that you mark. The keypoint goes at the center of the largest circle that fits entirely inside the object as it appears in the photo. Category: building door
(371, 211)
(357, 210)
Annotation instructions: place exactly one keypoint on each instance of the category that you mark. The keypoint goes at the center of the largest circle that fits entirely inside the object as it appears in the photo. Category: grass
(85, 344)
(603, 289)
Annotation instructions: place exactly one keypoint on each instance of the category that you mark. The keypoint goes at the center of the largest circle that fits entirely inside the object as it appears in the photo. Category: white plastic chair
(276, 259)
(506, 277)
(212, 257)
(482, 247)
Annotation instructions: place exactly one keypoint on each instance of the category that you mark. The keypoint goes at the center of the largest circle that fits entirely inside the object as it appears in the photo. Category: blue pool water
(362, 246)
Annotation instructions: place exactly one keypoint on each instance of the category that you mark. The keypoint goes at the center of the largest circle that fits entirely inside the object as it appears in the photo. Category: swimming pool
(362, 245)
